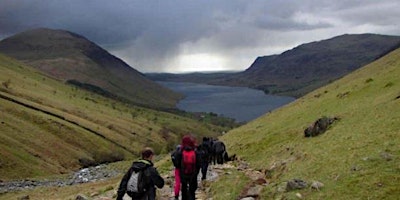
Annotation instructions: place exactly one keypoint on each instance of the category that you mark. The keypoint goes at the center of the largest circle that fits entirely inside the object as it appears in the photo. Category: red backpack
(188, 162)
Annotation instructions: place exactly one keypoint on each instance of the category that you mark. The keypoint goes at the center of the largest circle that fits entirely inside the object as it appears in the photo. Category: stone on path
(81, 197)
(317, 185)
(295, 184)
(248, 198)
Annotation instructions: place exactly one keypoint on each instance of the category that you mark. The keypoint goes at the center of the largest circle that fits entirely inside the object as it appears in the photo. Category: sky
(179, 36)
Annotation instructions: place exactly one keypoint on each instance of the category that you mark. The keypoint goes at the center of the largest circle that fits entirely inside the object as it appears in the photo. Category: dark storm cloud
(155, 35)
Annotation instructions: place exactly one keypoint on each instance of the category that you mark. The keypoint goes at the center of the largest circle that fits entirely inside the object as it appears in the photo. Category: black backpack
(204, 150)
(174, 156)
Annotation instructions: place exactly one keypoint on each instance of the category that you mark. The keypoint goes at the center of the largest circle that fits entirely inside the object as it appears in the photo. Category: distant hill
(304, 68)
(356, 158)
(194, 77)
(74, 59)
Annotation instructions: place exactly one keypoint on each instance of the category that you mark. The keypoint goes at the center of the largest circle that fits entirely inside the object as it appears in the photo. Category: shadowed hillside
(70, 57)
(50, 128)
(356, 158)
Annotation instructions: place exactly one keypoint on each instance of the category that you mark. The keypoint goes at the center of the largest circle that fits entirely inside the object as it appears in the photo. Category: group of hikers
(188, 158)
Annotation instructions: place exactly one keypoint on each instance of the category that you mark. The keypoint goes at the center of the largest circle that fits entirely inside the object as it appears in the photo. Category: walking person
(219, 150)
(141, 179)
(205, 151)
(189, 161)
(177, 186)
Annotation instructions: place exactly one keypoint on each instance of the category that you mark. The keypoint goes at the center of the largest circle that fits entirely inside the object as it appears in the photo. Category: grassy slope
(81, 125)
(357, 158)
(367, 131)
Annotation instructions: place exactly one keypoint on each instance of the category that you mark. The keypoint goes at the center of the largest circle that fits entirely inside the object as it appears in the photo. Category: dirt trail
(203, 192)
(167, 193)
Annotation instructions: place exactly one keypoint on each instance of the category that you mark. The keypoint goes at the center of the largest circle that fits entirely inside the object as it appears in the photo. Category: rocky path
(251, 192)
(167, 192)
(98, 173)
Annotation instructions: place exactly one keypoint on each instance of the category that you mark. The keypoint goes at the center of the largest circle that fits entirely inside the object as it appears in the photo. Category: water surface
(240, 103)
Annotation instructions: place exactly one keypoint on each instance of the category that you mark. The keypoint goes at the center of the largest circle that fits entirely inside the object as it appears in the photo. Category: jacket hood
(188, 141)
(141, 164)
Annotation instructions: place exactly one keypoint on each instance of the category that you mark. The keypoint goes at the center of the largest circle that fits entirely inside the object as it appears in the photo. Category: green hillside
(51, 128)
(357, 158)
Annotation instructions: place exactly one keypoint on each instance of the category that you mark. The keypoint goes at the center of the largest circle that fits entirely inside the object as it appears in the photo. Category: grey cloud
(282, 24)
(151, 34)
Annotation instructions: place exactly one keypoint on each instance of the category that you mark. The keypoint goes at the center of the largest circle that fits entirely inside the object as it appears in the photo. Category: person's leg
(204, 168)
(192, 188)
(177, 186)
(184, 188)
(218, 158)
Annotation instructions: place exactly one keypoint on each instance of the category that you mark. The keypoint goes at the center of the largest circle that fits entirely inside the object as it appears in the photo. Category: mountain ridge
(70, 56)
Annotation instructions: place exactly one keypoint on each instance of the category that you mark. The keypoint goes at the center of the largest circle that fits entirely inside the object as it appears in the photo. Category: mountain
(50, 128)
(356, 158)
(76, 60)
(312, 65)
(304, 68)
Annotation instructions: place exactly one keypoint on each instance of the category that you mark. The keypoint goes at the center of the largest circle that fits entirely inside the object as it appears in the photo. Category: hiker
(146, 180)
(177, 186)
(218, 150)
(212, 151)
(205, 150)
(188, 162)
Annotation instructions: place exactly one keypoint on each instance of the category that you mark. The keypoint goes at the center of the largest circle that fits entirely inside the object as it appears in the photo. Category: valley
(54, 126)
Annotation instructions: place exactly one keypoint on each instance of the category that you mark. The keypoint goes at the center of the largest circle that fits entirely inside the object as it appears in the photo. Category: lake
(240, 103)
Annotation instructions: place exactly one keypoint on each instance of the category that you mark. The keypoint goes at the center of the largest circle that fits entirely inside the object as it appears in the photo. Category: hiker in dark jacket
(152, 177)
(205, 150)
(177, 185)
(188, 181)
(219, 150)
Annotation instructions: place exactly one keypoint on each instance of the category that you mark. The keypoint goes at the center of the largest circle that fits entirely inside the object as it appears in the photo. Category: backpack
(136, 185)
(188, 162)
(173, 158)
(207, 147)
(204, 151)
